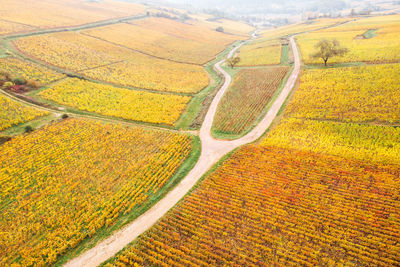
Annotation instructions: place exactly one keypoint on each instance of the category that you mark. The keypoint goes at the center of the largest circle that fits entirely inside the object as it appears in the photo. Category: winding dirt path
(211, 153)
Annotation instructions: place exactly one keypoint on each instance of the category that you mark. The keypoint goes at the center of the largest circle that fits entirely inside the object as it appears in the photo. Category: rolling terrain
(127, 139)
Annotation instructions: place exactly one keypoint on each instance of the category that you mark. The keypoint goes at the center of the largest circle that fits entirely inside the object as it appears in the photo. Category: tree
(233, 61)
(327, 49)
(219, 29)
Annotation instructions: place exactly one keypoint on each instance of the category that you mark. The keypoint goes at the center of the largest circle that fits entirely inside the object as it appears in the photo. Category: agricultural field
(117, 102)
(374, 40)
(55, 196)
(268, 205)
(291, 29)
(46, 13)
(29, 71)
(13, 113)
(261, 53)
(351, 94)
(7, 27)
(369, 143)
(146, 131)
(166, 38)
(229, 26)
(245, 100)
(104, 61)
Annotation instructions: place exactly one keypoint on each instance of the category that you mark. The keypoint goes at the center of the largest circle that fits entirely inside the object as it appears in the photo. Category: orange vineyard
(248, 96)
(290, 208)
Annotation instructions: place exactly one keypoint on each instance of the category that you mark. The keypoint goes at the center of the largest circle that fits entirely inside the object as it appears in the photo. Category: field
(46, 13)
(260, 53)
(7, 27)
(13, 113)
(139, 134)
(290, 208)
(382, 48)
(243, 103)
(291, 29)
(354, 94)
(229, 26)
(117, 102)
(370, 143)
(21, 68)
(165, 38)
(63, 183)
(104, 61)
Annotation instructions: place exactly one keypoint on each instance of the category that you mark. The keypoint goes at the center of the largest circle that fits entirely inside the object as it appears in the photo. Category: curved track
(212, 151)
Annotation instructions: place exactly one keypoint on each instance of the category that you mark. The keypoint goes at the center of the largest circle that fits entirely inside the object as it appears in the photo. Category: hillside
(128, 137)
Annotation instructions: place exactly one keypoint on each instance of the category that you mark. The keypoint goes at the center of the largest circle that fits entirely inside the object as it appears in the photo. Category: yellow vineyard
(356, 141)
(300, 27)
(261, 53)
(63, 183)
(14, 113)
(7, 27)
(354, 94)
(170, 39)
(382, 48)
(117, 102)
(30, 15)
(28, 71)
(104, 61)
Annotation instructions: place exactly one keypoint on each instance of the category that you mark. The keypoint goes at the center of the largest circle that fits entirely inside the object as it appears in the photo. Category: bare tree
(327, 49)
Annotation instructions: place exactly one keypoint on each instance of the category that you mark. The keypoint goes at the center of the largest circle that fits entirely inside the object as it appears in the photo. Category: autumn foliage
(289, 208)
(61, 184)
(249, 94)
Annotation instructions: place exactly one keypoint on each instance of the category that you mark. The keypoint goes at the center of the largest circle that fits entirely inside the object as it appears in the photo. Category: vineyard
(28, 71)
(353, 94)
(130, 138)
(245, 100)
(260, 53)
(103, 61)
(291, 208)
(66, 181)
(382, 48)
(117, 102)
(165, 38)
(46, 13)
(370, 143)
(13, 113)
(7, 27)
(229, 26)
(283, 31)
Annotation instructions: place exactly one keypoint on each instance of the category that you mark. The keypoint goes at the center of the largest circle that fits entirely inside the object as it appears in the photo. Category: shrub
(19, 81)
(18, 88)
(33, 83)
(7, 85)
(28, 129)
(4, 75)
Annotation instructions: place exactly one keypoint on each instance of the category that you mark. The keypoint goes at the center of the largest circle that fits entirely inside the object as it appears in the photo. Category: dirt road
(211, 153)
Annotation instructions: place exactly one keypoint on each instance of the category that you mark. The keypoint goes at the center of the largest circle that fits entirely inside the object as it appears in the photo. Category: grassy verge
(335, 65)
(34, 124)
(3, 51)
(370, 33)
(105, 232)
(193, 117)
(199, 182)
(195, 105)
(285, 55)
(231, 136)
